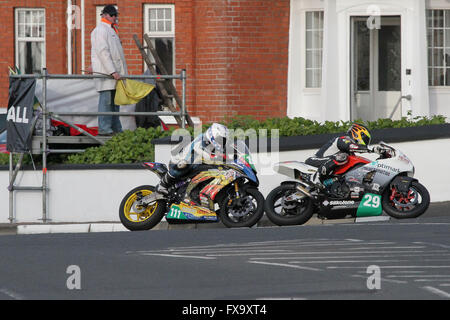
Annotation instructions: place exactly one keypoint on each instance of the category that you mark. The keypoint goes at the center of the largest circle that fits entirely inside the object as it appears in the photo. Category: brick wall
(235, 52)
(56, 37)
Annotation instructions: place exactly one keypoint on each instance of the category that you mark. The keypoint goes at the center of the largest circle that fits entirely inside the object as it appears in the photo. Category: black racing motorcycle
(225, 192)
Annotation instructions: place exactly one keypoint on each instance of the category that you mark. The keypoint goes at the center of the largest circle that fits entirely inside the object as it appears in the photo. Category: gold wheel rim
(140, 216)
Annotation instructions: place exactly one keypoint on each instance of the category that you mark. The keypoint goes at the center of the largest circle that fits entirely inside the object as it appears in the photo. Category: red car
(3, 141)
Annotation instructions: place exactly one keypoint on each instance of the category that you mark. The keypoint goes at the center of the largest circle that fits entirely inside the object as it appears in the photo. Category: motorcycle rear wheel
(412, 206)
(248, 215)
(299, 214)
(137, 218)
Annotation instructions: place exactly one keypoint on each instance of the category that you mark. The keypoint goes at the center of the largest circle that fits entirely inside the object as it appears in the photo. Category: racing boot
(315, 180)
(166, 181)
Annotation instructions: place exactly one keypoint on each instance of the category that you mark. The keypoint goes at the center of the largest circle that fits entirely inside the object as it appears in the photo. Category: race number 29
(370, 206)
(371, 200)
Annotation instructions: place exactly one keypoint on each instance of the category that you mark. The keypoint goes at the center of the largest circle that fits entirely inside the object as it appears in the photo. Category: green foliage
(126, 147)
(135, 146)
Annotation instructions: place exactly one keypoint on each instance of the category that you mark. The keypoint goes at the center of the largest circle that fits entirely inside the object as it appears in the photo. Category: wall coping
(390, 135)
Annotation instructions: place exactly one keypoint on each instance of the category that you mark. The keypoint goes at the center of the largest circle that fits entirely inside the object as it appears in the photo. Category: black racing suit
(333, 154)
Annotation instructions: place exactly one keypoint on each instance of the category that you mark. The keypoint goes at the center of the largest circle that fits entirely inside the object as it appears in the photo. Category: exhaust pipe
(304, 191)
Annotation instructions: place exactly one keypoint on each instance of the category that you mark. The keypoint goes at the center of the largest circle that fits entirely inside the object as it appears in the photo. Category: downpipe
(302, 188)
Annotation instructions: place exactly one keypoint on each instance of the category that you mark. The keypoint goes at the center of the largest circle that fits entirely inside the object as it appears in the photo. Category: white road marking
(439, 292)
(268, 251)
(432, 280)
(406, 247)
(348, 261)
(394, 267)
(177, 256)
(434, 244)
(406, 271)
(329, 252)
(11, 294)
(284, 265)
(281, 298)
(422, 276)
(293, 245)
(353, 256)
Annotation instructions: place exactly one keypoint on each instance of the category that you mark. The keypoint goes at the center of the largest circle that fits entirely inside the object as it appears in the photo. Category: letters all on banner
(19, 114)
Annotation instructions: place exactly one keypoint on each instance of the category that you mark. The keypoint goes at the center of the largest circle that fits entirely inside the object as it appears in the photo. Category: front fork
(236, 189)
(236, 193)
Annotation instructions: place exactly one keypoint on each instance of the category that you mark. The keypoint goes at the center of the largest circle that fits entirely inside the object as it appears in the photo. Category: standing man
(107, 57)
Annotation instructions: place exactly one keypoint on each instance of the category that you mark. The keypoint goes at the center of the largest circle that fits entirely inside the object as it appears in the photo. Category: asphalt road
(381, 260)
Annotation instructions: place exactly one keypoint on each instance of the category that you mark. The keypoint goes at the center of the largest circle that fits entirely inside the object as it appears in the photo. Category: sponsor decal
(381, 168)
(376, 187)
(384, 166)
(338, 203)
(404, 158)
(183, 211)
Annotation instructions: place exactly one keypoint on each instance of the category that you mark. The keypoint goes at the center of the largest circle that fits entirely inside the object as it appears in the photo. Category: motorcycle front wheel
(135, 216)
(283, 211)
(244, 211)
(401, 206)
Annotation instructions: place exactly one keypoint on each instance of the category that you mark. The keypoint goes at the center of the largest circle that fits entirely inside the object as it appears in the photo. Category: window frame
(160, 34)
(306, 49)
(430, 47)
(18, 39)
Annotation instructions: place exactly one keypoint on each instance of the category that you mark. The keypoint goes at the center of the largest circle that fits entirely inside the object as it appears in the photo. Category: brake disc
(412, 201)
(241, 209)
(137, 207)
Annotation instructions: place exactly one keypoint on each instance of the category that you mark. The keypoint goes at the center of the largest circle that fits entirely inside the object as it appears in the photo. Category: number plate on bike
(184, 211)
(369, 206)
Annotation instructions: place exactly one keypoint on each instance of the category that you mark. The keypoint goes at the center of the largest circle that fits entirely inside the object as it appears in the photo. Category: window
(30, 40)
(159, 25)
(314, 45)
(438, 33)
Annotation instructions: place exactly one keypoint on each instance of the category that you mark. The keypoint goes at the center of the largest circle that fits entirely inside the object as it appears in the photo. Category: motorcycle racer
(207, 148)
(335, 152)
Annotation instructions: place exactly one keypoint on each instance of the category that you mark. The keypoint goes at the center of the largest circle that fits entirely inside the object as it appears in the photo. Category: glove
(182, 164)
(378, 149)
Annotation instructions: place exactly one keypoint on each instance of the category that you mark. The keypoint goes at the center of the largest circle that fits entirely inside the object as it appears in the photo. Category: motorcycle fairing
(288, 168)
(219, 179)
(352, 161)
(159, 168)
(247, 168)
(184, 211)
(377, 175)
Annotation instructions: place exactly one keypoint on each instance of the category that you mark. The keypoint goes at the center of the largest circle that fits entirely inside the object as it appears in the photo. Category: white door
(376, 69)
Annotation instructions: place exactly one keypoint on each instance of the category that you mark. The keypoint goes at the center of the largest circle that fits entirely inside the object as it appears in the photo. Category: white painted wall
(95, 195)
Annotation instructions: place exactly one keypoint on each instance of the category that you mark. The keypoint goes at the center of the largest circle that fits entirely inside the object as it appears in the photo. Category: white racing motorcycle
(367, 186)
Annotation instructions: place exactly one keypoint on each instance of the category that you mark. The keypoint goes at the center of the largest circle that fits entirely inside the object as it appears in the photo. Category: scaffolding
(40, 144)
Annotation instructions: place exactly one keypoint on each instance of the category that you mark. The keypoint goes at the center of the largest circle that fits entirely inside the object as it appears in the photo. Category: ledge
(429, 132)
(104, 166)
(391, 135)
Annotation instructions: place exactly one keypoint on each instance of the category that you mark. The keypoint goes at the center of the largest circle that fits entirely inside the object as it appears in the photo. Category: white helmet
(217, 134)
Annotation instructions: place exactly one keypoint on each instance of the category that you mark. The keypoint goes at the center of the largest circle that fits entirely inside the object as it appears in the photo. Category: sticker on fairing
(176, 213)
(183, 211)
(370, 205)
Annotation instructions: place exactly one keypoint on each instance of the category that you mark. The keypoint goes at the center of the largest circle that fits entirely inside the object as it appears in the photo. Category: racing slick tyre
(135, 216)
(401, 206)
(283, 211)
